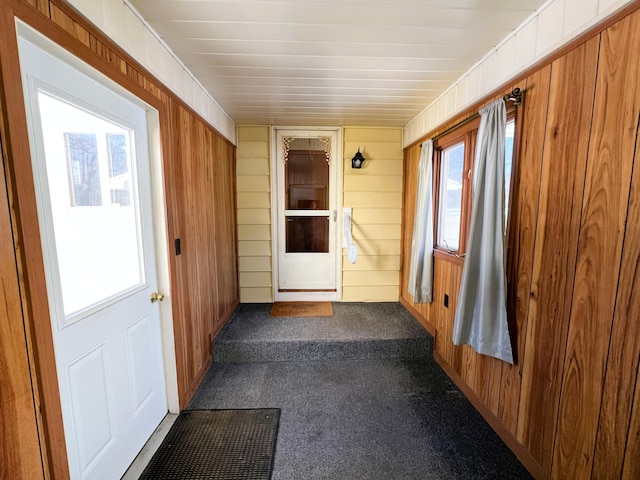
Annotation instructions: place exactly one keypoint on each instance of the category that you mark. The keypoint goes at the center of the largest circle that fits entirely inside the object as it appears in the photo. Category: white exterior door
(91, 167)
(307, 166)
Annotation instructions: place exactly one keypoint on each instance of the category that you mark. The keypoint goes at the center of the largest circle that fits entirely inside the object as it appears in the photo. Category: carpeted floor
(359, 418)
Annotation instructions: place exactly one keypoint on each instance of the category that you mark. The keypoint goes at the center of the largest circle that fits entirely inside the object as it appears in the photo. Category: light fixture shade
(357, 160)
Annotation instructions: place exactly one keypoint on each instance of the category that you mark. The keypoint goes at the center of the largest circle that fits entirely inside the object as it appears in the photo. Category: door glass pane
(452, 166)
(307, 234)
(307, 176)
(90, 162)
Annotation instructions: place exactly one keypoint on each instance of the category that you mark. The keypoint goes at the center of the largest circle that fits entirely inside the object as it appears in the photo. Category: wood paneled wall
(199, 184)
(570, 406)
(202, 185)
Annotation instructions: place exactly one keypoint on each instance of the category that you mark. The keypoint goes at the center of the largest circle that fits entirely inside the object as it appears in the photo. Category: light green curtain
(481, 314)
(421, 267)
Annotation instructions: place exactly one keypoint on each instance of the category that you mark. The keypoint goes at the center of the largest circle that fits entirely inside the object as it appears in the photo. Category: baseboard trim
(520, 451)
(418, 316)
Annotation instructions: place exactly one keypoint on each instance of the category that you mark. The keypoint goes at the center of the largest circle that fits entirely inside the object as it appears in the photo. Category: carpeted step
(356, 331)
(288, 351)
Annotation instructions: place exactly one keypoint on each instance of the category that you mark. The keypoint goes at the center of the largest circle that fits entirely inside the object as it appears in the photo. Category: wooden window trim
(466, 133)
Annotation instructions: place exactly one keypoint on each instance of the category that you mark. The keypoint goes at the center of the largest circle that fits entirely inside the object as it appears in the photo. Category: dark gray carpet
(369, 419)
(357, 330)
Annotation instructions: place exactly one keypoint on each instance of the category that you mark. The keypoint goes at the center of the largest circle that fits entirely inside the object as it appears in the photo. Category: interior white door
(307, 165)
(91, 167)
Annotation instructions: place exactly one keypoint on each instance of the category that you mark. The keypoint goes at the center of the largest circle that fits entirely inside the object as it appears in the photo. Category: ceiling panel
(371, 62)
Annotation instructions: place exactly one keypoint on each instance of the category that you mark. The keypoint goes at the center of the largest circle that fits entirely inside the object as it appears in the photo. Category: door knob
(156, 297)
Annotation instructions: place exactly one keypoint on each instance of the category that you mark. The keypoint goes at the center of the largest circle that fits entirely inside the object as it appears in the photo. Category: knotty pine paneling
(570, 407)
(199, 185)
(561, 189)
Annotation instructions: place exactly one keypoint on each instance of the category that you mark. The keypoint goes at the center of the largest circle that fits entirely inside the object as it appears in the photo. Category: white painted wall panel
(550, 27)
(525, 49)
(555, 24)
(578, 13)
(114, 24)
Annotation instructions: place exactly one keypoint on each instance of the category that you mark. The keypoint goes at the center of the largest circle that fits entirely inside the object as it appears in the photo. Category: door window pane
(307, 234)
(82, 161)
(451, 177)
(118, 156)
(89, 165)
(307, 176)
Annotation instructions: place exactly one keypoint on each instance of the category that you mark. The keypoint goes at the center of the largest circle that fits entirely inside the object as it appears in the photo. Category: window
(84, 169)
(452, 173)
(508, 162)
(453, 164)
(453, 154)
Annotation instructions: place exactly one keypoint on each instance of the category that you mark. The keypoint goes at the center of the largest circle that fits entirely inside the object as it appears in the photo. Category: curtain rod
(515, 96)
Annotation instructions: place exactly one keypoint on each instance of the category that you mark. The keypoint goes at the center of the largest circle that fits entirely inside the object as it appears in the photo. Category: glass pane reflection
(307, 180)
(307, 234)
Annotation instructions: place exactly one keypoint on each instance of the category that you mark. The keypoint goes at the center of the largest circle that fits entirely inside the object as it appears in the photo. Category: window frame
(467, 134)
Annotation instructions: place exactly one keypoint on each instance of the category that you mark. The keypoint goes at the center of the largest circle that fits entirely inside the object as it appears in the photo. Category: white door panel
(297, 268)
(91, 167)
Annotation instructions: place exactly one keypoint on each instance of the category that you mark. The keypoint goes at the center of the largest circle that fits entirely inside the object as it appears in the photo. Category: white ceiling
(345, 62)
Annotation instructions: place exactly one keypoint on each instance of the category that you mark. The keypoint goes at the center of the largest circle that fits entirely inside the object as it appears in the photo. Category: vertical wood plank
(410, 189)
(225, 229)
(631, 467)
(106, 54)
(41, 5)
(524, 215)
(480, 384)
(564, 166)
(494, 394)
(68, 24)
(624, 349)
(20, 455)
(606, 196)
(443, 332)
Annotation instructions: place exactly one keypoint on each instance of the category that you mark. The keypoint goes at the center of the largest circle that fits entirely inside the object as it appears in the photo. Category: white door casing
(91, 169)
(306, 275)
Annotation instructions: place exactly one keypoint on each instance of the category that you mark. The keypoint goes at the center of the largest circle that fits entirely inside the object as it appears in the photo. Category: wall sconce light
(357, 160)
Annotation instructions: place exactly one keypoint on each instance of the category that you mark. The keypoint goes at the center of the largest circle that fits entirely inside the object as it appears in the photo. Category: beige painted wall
(374, 192)
(254, 214)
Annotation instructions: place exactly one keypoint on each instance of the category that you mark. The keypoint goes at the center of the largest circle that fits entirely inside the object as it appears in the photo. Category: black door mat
(217, 445)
